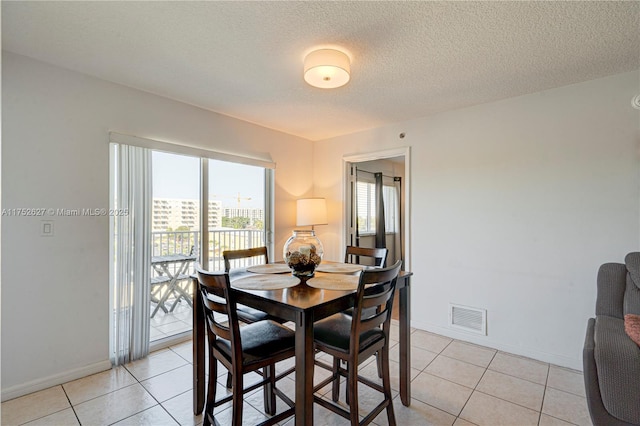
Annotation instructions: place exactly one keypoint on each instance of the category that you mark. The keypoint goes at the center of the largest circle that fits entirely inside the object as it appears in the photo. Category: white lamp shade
(311, 211)
(327, 68)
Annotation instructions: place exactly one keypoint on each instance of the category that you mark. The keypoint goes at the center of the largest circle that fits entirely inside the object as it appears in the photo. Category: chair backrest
(229, 255)
(377, 255)
(375, 289)
(217, 298)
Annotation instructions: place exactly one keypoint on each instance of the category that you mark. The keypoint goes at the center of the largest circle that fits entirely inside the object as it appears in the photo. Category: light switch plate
(46, 228)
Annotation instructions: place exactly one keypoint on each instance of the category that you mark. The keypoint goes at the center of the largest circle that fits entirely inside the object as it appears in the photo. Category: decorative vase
(303, 253)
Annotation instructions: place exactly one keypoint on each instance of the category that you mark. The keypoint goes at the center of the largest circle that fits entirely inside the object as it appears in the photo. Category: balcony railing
(178, 320)
(172, 242)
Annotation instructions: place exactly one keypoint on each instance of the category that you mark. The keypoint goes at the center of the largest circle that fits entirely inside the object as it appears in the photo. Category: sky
(178, 176)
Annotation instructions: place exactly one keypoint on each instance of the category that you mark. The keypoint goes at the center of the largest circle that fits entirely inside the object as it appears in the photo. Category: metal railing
(172, 242)
(188, 242)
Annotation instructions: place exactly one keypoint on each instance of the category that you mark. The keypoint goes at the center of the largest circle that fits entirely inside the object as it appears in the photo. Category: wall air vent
(467, 318)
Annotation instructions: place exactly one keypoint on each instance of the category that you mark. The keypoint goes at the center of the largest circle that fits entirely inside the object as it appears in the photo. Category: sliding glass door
(189, 208)
(236, 209)
(175, 238)
(232, 216)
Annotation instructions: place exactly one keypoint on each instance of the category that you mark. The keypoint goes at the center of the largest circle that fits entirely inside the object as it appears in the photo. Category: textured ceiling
(409, 59)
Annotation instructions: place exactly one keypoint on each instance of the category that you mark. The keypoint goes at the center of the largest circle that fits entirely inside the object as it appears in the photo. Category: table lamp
(311, 211)
(303, 250)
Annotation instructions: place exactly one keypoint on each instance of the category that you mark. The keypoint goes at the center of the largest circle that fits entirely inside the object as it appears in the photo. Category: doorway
(360, 212)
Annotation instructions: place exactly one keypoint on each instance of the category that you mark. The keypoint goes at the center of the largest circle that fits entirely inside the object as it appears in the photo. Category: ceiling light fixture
(327, 68)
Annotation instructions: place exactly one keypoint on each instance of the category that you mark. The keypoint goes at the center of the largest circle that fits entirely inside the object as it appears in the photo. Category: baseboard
(56, 379)
(556, 359)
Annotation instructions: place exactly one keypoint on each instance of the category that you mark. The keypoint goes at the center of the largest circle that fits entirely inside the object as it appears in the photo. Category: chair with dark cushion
(334, 336)
(245, 313)
(372, 256)
(242, 350)
(248, 257)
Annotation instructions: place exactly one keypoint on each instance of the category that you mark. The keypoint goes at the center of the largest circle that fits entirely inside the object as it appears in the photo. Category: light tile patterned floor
(453, 383)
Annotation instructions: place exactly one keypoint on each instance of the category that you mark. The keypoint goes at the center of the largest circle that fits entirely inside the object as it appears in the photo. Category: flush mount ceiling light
(327, 68)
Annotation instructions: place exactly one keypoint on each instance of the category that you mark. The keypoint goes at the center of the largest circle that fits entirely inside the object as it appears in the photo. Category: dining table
(301, 304)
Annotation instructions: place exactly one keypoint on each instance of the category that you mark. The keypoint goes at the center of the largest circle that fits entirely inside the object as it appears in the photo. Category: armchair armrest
(612, 279)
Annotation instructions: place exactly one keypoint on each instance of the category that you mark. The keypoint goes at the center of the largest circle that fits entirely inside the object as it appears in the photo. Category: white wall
(514, 206)
(55, 126)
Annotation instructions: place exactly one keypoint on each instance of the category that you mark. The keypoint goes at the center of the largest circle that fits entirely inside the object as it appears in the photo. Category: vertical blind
(366, 196)
(130, 253)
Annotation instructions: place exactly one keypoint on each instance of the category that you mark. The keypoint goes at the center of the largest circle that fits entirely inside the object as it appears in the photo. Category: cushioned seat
(335, 332)
(259, 340)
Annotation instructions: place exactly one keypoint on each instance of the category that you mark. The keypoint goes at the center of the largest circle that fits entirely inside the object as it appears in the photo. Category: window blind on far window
(366, 207)
(366, 196)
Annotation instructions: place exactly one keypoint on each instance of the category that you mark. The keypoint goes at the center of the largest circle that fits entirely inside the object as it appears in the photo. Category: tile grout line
(475, 387)
(544, 393)
(145, 389)
(72, 407)
(55, 412)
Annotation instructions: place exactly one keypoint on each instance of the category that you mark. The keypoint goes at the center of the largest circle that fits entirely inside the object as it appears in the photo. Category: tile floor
(453, 383)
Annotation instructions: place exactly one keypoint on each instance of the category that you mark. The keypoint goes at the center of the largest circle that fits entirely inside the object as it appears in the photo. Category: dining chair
(376, 256)
(250, 253)
(242, 350)
(372, 257)
(335, 336)
(245, 313)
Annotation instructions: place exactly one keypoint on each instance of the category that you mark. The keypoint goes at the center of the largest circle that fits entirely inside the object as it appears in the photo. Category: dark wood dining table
(303, 305)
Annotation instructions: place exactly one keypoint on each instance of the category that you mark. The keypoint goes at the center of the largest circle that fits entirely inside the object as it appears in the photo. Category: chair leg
(352, 394)
(237, 399)
(335, 385)
(383, 355)
(347, 391)
(211, 389)
(229, 376)
(269, 395)
(379, 361)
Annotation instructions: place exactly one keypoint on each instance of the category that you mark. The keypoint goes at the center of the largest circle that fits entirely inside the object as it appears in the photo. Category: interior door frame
(348, 160)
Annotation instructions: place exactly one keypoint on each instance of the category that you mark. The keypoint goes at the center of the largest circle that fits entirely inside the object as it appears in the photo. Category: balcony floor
(176, 322)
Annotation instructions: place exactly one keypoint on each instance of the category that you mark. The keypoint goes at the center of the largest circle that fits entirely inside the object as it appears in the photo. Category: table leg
(198, 352)
(304, 369)
(405, 343)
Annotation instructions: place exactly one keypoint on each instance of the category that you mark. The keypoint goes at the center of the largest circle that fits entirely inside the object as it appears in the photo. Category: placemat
(339, 268)
(266, 282)
(334, 281)
(269, 268)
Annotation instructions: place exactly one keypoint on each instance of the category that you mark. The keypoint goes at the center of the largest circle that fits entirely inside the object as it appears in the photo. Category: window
(366, 207)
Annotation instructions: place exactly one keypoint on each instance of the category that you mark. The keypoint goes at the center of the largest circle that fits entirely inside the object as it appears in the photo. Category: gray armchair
(611, 359)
